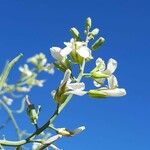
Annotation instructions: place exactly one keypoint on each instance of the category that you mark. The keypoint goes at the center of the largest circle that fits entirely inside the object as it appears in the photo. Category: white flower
(79, 48)
(72, 88)
(25, 70)
(38, 82)
(101, 69)
(7, 100)
(38, 59)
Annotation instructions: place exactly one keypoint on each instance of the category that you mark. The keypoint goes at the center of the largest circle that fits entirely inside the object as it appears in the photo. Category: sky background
(30, 27)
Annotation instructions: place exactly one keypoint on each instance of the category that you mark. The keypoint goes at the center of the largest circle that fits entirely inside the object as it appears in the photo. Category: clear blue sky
(33, 26)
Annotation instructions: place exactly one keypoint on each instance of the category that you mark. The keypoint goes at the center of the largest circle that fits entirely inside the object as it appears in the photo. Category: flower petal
(76, 86)
(65, 51)
(111, 66)
(100, 64)
(66, 78)
(115, 92)
(112, 82)
(76, 92)
(55, 52)
(78, 130)
(84, 52)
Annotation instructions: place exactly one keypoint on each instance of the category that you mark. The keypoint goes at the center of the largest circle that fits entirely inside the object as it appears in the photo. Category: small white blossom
(38, 59)
(38, 82)
(102, 69)
(80, 48)
(25, 70)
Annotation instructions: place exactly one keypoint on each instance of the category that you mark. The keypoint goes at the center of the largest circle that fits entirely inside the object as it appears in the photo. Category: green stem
(10, 114)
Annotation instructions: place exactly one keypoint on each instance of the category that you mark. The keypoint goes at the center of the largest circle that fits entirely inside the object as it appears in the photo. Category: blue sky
(30, 27)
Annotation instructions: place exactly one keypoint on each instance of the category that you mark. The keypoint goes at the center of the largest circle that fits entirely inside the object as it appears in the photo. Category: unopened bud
(75, 33)
(31, 111)
(95, 32)
(88, 23)
(98, 43)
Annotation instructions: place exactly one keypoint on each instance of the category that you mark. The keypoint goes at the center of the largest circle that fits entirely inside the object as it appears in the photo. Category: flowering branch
(76, 52)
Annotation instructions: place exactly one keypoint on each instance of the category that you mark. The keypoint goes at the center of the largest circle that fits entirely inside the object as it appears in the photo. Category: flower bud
(95, 32)
(88, 23)
(32, 113)
(75, 33)
(98, 43)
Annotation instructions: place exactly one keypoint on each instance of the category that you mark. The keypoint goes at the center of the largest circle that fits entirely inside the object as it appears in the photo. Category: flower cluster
(100, 73)
(40, 63)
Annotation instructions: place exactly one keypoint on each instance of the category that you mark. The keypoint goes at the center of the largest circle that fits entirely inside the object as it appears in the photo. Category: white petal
(66, 77)
(84, 52)
(76, 86)
(76, 92)
(80, 44)
(111, 66)
(112, 82)
(115, 92)
(55, 52)
(100, 64)
(79, 130)
(69, 44)
(65, 51)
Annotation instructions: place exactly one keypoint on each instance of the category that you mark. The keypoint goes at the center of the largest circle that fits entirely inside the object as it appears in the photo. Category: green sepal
(97, 94)
(97, 75)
